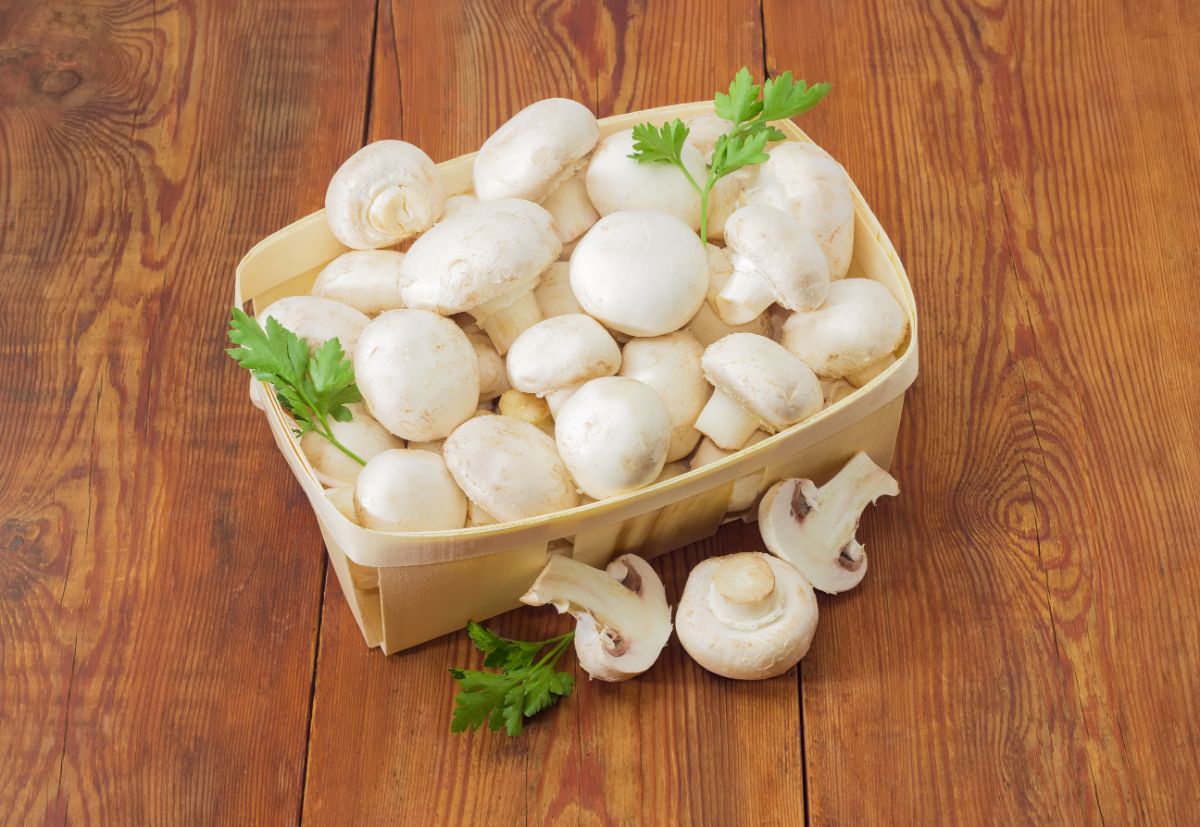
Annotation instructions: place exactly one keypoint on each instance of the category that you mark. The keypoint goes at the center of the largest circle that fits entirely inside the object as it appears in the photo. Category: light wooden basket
(405, 589)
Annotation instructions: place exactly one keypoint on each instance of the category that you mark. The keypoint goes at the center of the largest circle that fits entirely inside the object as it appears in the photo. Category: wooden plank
(160, 575)
(1018, 653)
(676, 745)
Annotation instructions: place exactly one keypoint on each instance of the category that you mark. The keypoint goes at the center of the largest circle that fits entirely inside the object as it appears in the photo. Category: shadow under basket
(407, 588)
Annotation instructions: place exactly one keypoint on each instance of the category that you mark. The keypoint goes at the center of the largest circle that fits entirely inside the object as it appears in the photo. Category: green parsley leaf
(734, 151)
(659, 144)
(785, 98)
(742, 103)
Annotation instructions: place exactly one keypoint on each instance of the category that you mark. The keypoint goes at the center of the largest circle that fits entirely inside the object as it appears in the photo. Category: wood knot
(56, 82)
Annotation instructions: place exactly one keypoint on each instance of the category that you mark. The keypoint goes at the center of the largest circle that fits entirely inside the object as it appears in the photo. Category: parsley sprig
(315, 389)
(746, 141)
(521, 689)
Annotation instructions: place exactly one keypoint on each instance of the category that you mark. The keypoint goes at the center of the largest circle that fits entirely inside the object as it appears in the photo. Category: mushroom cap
(317, 320)
(747, 616)
(859, 324)
(493, 375)
(510, 468)
(616, 182)
(383, 194)
(764, 378)
(367, 280)
(641, 273)
(535, 150)
(553, 292)
(671, 366)
(403, 490)
(613, 435)
(703, 131)
(481, 252)
(561, 351)
(803, 179)
(772, 243)
(418, 374)
(362, 435)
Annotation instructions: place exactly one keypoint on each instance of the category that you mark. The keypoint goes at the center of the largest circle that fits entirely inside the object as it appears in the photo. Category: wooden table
(173, 649)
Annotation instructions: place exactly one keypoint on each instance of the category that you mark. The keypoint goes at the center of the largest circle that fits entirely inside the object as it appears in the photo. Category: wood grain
(159, 587)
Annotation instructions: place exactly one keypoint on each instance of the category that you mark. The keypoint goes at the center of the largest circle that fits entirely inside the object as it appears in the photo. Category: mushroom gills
(813, 528)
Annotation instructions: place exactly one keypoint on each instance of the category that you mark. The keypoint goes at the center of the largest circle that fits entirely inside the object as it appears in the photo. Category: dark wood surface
(1026, 647)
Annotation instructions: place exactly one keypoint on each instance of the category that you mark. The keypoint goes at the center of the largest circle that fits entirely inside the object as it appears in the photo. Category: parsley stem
(327, 432)
(554, 654)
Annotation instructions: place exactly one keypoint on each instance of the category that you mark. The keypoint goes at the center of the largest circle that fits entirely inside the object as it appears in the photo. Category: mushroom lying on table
(746, 616)
(622, 617)
(859, 325)
(386, 192)
(367, 280)
(813, 528)
(554, 357)
(484, 260)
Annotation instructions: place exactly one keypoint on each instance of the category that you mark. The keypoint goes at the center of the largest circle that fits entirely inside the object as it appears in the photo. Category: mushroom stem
(389, 213)
(556, 398)
(504, 322)
(726, 422)
(743, 595)
(745, 296)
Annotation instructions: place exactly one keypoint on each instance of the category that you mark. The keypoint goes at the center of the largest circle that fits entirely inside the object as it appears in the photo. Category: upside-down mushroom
(384, 193)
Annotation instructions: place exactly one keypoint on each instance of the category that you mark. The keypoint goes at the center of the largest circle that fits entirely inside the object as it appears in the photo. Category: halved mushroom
(527, 408)
(556, 356)
(774, 260)
(553, 292)
(404, 490)
(622, 617)
(367, 280)
(384, 193)
(613, 435)
(616, 182)
(641, 273)
(803, 179)
(813, 528)
(509, 468)
(746, 616)
(758, 384)
(671, 366)
(317, 320)
(418, 374)
(484, 260)
(859, 324)
(362, 435)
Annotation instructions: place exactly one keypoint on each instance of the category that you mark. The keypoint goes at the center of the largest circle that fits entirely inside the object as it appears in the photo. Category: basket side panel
(360, 585)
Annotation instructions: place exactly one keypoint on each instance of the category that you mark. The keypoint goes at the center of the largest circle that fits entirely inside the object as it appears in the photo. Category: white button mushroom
(362, 435)
(343, 500)
(417, 373)
(317, 320)
(746, 616)
(671, 366)
(622, 617)
(613, 434)
(641, 273)
(835, 390)
(384, 193)
(509, 468)
(703, 131)
(402, 490)
(745, 489)
(527, 408)
(617, 182)
(803, 179)
(367, 280)
(572, 209)
(485, 259)
(493, 374)
(859, 378)
(535, 150)
(457, 202)
(555, 357)
(813, 528)
(774, 260)
(758, 384)
(553, 292)
(706, 325)
(859, 324)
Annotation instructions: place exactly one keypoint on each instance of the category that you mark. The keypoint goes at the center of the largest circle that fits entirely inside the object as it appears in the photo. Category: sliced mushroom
(613, 435)
(774, 260)
(671, 366)
(553, 292)
(746, 616)
(362, 435)
(367, 280)
(556, 356)
(622, 617)
(509, 468)
(641, 273)
(418, 374)
(859, 324)
(384, 193)
(758, 384)
(404, 490)
(616, 182)
(317, 320)
(813, 528)
(484, 260)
